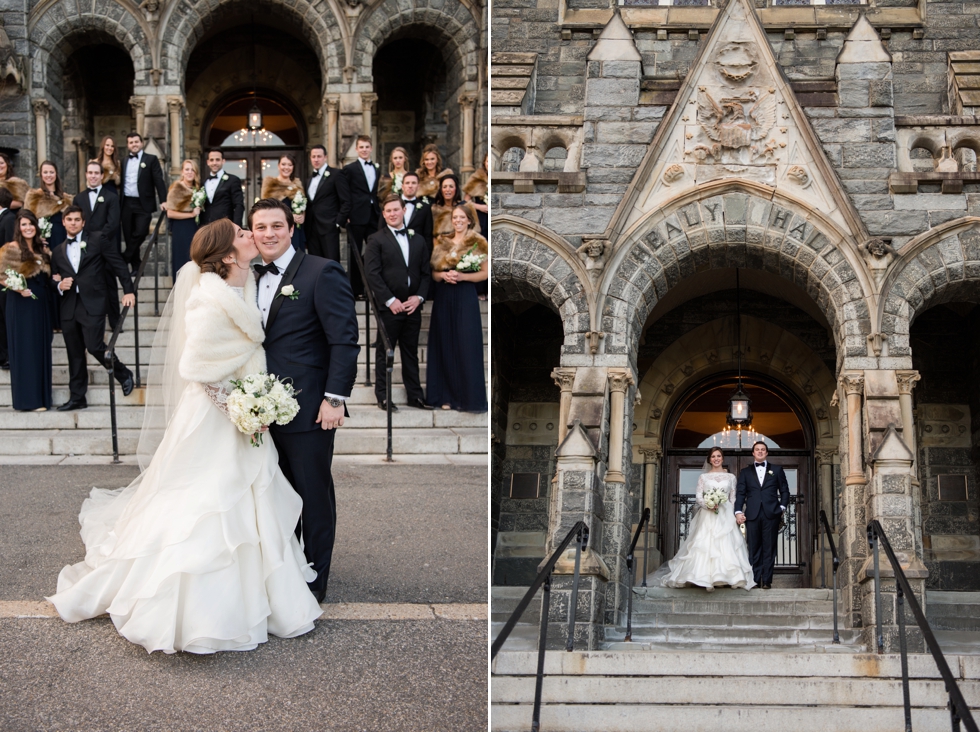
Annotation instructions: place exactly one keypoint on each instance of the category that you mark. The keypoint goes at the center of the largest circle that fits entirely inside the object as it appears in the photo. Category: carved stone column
(81, 159)
(138, 105)
(620, 381)
(825, 461)
(467, 103)
(175, 105)
(853, 386)
(41, 109)
(367, 102)
(651, 500)
(906, 383)
(332, 103)
(564, 378)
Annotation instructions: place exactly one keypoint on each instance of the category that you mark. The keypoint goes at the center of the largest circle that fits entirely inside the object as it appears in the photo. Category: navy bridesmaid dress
(181, 234)
(454, 365)
(58, 235)
(29, 338)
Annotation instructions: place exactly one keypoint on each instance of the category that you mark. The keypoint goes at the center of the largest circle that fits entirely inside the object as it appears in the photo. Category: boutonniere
(411, 233)
(326, 173)
(771, 473)
(82, 244)
(142, 165)
(425, 200)
(289, 291)
(224, 177)
(100, 199)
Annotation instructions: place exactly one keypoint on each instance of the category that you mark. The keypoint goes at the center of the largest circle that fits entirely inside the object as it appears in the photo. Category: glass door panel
(239, 167)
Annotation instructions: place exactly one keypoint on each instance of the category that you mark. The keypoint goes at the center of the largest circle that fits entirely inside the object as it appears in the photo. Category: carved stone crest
(737, 127)
(673, 173)
(736, 61)
(798, 175)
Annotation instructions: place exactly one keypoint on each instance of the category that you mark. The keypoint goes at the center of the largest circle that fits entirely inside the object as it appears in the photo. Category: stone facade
(823, 152)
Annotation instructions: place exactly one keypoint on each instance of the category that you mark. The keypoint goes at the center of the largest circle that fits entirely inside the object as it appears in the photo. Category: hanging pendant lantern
(255, 118)
(739, 404)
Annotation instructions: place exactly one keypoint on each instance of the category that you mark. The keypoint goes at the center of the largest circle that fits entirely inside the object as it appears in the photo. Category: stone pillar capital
(825, 455)
(651, 455)
(41, 107)
(907, 381)
(468, 99)
(619, 380)
(175, 104)
(367, 101)
(138, 103)
(332, 102)
(564, 378)
(852, 383)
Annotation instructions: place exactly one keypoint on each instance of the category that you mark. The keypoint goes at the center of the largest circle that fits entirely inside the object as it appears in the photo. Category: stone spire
(615, 43)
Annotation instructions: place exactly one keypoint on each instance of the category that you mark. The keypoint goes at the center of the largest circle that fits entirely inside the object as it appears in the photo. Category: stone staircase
(729, 660)
(51, 437)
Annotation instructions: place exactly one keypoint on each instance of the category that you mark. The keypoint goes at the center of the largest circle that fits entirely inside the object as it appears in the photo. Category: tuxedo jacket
(331, 204)
(228, 202)
(363, 198)
(149, 181)
(751, 497)
(420, 222)
(7, 219)
(387, 272)
(312, 339)
(104, 218)
(99, 254)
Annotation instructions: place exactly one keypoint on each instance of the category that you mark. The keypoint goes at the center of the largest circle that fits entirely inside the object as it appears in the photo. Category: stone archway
(737, 224)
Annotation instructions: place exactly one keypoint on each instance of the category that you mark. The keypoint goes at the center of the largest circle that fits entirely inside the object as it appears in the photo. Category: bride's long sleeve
(699, 495)
(218, 394)
(732, 490)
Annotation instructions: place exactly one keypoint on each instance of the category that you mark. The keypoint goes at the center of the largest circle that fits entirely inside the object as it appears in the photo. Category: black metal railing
(372, 303)
(152, 248)
(580, 532)
(958, 710)
(833, 552)
(631, 571)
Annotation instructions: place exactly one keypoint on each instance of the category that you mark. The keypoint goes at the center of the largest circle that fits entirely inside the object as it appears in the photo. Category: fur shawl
(442, 219)
(179, 197)
(10, 258)
(109, 174)
(17, 186)
(476, 186)
(446, 257)
(224, 333)
(429, 185)
(43, 204)
(272, 187)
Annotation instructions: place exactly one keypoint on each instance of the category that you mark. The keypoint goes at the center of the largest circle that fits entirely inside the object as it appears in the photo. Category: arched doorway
(254, 154)
(698, 422)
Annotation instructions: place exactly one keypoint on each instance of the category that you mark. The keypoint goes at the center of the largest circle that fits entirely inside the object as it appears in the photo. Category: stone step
(747, 636)
(953, 611)
(733, 620)
(958, 642)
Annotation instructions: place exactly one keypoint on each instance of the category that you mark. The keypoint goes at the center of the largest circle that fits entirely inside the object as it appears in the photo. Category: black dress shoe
(419, 404)
(5, 365)
(383, 406)
(73, 404)
(319, 594)
(767, 587)
(127, 384)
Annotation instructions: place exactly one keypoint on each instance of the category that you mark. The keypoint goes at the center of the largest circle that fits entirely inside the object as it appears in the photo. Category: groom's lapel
(287, 279)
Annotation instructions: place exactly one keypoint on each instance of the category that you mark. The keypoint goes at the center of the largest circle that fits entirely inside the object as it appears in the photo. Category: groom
(311, 338)
(764, 493)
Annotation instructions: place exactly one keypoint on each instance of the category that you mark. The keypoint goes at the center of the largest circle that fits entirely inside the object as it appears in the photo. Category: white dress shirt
(93, 196)
(74, 251)
(402, 240)
(315, 183)
(410, 210)
(132, 173)
(211, 184)
(268, 289)
(369, 172)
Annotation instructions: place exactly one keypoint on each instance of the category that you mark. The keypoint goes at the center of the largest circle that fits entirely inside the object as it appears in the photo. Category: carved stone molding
(619, 380)
(564, 378)
(41, 107)
(651, 455)
(907, 381)
(825, 455)
(852, 384)
(367, 101)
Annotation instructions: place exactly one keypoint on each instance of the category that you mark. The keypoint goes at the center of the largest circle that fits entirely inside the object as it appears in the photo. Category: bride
(199, 553)
(714, 552)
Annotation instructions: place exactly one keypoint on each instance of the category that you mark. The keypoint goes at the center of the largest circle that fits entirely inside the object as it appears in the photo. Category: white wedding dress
(199, 553)
(714, 553)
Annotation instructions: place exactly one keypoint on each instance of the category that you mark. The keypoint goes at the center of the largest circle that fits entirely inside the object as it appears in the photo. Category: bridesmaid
(397, 167)
(442, 208)
(183, 214)
(48, 201)
(475, 192)
(454, 364)
(29, 318)
(17, 186)
(109, 157)
(285, 187)
(431, 172)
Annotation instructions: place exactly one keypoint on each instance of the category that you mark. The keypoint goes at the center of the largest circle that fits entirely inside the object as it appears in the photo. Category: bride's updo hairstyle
(711, 452)
(212, 243)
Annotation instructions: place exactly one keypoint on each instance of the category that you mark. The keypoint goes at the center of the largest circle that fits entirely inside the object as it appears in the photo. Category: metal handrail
(833, 552)
(580, 531)
(111, 347)
(372, 301)
(631, 569)
(958, 710)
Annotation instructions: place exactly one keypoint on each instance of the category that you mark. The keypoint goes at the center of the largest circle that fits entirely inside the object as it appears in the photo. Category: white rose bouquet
(259, 400)
(44, 227)
(470, 262)
(396, 184)
(299, 205)
(713, 497)
(198, 198)
(16, 282)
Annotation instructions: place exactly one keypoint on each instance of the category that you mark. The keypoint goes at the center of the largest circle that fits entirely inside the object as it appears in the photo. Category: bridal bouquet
(396, 184)
(299, 205)
(257, 401)
(16, 282)
(198, 198)
(713, 498)
(470, 262)
(44, 227)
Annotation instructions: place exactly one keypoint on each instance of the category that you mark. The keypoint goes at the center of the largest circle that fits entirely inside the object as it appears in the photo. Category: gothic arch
(321, 24)
(736, 224)
(531, 262)
(55, 35)
(940, 265)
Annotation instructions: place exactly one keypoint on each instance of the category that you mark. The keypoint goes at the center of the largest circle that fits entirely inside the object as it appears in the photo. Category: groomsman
(100, 209)
(418, 211)
(225, 197)
(7, 218)
(81, 261)
(327, 207)
(397, 267)
(362, 176)
(143, 185)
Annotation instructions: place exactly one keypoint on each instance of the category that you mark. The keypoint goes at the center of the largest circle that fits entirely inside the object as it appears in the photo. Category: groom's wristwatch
(334, 402)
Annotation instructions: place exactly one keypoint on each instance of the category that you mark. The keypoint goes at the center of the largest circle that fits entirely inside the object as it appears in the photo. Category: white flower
(326, 173)
(142, 165)
(289, 291)
(224, 177)
(376, 165)
(82, 244)
(100, 199)
(411, 233)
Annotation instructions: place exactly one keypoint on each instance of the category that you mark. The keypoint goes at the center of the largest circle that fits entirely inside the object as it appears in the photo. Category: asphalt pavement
(406, 534)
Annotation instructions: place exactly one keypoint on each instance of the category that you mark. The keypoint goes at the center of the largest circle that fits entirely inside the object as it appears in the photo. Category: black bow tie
(270, 268)
(410, 200)
(365, 162)
(212, 176)
(134, 155)
(93, 190)
(760, 465)
(401, 231)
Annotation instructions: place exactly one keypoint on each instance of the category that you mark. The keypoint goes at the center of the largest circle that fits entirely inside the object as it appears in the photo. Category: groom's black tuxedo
(760, 502)
(312, 340)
